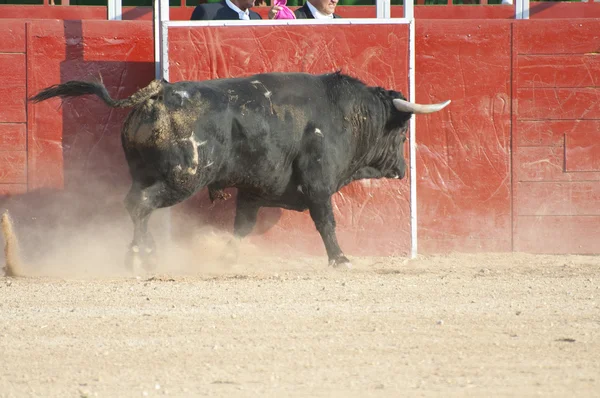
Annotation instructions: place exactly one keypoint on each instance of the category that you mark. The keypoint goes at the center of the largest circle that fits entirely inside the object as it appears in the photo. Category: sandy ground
(456, 325)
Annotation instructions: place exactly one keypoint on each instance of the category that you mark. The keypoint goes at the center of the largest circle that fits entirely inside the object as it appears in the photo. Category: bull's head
(407, 108)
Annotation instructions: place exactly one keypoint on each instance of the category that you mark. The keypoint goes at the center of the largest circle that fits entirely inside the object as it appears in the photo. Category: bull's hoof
(150, 262)
(228, 258)
(340, 262)
(133, 262)
(140, 262)
(230, 254)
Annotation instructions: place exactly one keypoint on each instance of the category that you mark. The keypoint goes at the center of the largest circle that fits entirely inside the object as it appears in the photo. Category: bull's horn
(405, 106)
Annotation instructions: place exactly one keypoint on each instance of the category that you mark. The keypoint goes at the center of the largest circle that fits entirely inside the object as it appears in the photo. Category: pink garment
(285, 12)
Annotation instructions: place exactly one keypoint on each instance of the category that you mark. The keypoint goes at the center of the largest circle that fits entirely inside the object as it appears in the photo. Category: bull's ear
(409, 107)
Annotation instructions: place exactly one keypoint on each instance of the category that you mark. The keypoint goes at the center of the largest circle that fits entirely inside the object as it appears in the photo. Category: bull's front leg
(321, 213)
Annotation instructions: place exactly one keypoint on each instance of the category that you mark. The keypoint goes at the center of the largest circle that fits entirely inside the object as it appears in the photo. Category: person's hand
(273, 11)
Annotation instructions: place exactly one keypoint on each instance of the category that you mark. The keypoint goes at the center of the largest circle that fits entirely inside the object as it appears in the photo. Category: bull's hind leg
(140, 202)
(140, 205)
(321, 213)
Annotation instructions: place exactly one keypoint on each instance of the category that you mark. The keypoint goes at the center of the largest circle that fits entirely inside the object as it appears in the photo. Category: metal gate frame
(162, 23)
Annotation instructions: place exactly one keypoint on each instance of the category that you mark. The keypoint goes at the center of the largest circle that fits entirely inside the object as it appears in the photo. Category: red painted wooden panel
(13, 36)
(75, 146)
(540, 164)
(552, 132)
(546, 164)
(559, 103)
(583, 150)
(232, 51)
(123, 43)
(12, 89)
(457, 12)
(372, 218)
(558, 37)
(463, 152)
(13, 137)
(558, 86)
(559, 198)
(12, 189)
(45, 51)
(82, 12)
(555, 234)
(82, 138)
(13, 167)
(565, 70)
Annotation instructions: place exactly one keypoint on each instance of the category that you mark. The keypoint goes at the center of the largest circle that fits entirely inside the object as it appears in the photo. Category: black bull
(288, 140)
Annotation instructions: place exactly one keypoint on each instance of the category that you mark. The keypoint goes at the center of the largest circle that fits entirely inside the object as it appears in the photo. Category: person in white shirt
(226, 9)
(317, 9)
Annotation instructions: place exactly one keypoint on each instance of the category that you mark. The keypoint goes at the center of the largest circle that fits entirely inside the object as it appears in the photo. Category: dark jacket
(304, 13)
(217, 11)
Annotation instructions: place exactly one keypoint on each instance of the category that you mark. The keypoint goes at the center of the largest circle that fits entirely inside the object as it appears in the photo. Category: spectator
(225, 9)
(280, 10)
(317, 9)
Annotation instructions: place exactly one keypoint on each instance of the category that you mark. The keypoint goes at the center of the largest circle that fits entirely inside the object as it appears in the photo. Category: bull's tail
(75, 88)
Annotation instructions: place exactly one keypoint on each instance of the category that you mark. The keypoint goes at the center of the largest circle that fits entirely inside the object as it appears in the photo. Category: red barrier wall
(556, 137)
(510, 165)
(13, 139)
(545, 10)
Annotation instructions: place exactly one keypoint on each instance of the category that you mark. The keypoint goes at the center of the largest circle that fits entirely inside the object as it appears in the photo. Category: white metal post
(409, 14)
(522, 9)
(409, 9)
(115, 10)
(156, 26)
(525, 9)
(164, 37)
(161, 63)
(383, 9)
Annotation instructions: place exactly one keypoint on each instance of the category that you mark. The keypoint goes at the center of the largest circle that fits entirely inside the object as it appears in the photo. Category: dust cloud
(70, 234)
(98, 251)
